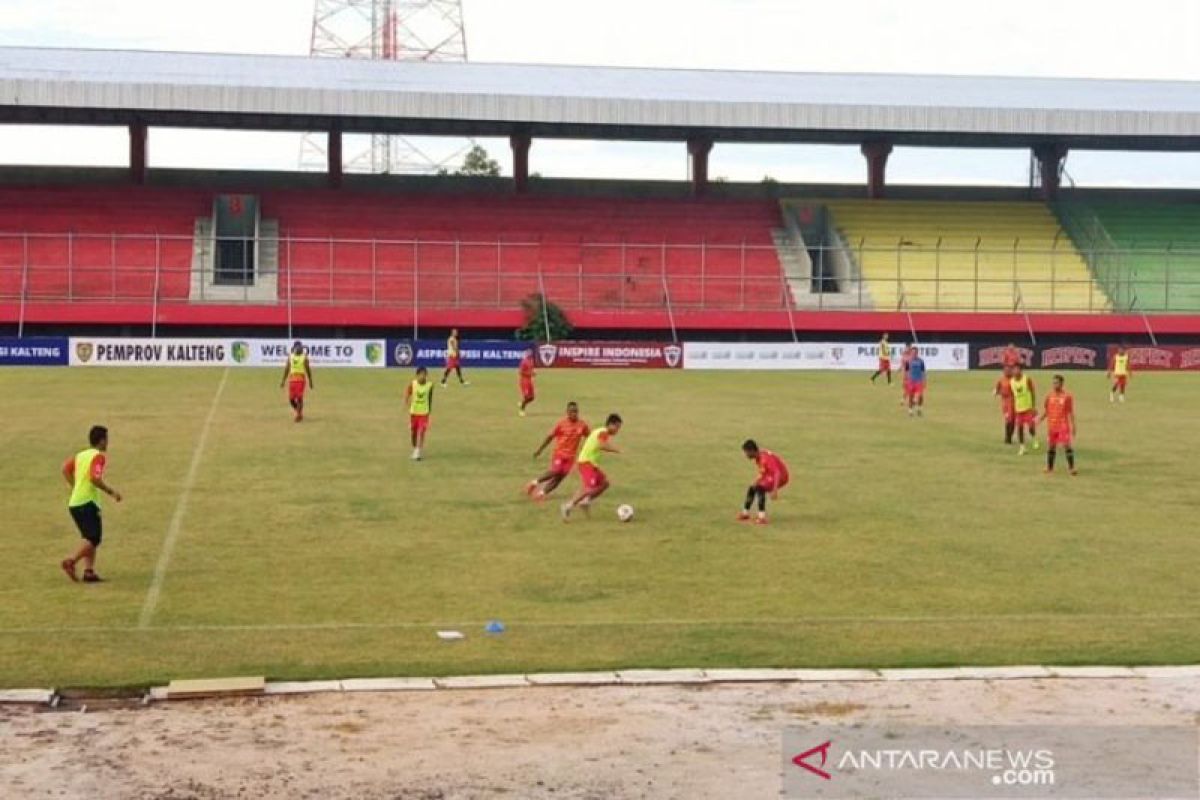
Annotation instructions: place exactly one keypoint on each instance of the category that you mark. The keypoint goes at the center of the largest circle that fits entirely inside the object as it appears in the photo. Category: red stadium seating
(371, 249)
(482, 251)
(97, 244)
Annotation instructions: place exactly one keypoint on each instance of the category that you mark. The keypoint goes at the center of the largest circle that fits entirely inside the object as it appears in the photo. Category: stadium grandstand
(137, 246)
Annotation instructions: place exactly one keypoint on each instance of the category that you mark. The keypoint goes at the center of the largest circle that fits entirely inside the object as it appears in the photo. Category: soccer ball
(625, 512)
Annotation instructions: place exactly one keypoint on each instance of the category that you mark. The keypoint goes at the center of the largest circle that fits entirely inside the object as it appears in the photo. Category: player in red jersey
(772, 476)
(453, 359)
(526, 373)
(1010, 358)
(567, 435)
(1059, 415)
(1003, 390)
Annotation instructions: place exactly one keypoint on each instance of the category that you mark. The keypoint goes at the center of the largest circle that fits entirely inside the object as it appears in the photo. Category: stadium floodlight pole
(24, 284)
(389, 30)
(1149, 329)
(289, 284)
(667, 292)
(788, 303)
(542, 291)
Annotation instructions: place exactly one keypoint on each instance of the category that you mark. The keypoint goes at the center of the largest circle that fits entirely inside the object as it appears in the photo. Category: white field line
(176, 524)
(652, 623)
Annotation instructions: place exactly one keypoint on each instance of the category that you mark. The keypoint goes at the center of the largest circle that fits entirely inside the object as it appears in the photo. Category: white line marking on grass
(176, 524)
(660, 623)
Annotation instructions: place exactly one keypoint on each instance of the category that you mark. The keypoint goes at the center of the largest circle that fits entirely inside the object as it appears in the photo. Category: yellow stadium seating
(969, 255)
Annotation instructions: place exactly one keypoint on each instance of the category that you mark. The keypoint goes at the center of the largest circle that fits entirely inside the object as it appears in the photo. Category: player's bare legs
(582, 499)
(544, 484)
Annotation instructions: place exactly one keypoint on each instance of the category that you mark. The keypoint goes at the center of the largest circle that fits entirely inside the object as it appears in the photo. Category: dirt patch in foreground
(719, 741)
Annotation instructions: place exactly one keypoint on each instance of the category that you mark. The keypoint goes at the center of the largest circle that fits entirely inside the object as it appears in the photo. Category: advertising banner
(34, 352)
(992, 356)
(478, 353)
(624, 355)
(321, 352)
(1162, 357)
(144, 352)
(814, 355)
(1067, 356)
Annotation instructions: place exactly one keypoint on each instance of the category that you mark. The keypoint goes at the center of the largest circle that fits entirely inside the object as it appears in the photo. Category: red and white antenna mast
(391, 30)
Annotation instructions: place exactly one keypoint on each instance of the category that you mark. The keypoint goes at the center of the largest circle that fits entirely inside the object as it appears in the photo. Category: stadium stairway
(970, 255)
(1146, 254)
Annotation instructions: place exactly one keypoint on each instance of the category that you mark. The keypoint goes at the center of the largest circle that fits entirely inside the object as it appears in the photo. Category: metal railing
(954, 275)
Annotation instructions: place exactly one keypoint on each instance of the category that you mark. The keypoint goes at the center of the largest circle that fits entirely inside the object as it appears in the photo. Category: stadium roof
(300, 93)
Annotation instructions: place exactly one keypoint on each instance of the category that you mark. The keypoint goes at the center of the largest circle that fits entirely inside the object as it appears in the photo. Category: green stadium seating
(1150, 258)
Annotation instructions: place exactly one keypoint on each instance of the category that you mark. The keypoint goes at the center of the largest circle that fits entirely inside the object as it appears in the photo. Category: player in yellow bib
(453, 363)
(1024, 406)
(885, 360)
(84, 473)
(297, 373)
(594, 481)
(419, 397)
(1118, 373)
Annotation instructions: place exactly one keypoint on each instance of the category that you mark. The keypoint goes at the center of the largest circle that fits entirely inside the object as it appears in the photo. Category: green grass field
(320, 550)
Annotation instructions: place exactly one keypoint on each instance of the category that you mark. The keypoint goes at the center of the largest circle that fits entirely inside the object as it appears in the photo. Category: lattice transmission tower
(390, 30)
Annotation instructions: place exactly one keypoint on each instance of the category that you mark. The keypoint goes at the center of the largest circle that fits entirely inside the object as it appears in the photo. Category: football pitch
(251, 545)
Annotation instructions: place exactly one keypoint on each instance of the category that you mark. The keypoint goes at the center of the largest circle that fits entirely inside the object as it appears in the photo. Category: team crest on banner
(84, 351)
(672, 353)
(837, 353)
(547, 353)
(403, 354)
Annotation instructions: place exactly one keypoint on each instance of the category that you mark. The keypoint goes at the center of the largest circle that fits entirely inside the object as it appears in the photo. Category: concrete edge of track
(649, 677)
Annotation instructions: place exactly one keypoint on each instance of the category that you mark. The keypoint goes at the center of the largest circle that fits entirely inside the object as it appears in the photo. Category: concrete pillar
(333, 156)
(1050, 157)
(698, 150)
(877, 153)
(520, 143)
(137, 153)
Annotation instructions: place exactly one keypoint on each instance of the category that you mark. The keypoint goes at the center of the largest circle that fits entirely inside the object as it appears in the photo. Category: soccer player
(566, 435)
(419, 397)
(1024, 406)
(906, 385)
(1010, 358)
(916, 385)
(1003, 390)
(526, 373)
(452, 360)
(1059, 415)
(84, 473)
(885, 360)
(772, 476)
(594, 481)
(297, 372)
(1118, 373)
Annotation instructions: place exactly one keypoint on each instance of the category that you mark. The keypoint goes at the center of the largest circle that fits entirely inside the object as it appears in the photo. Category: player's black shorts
(87, 519)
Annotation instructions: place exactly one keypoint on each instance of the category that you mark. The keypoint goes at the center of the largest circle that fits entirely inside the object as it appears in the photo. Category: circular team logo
(403, 353)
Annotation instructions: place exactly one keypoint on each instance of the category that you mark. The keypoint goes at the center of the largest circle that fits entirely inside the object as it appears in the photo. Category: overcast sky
(1152, 39)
